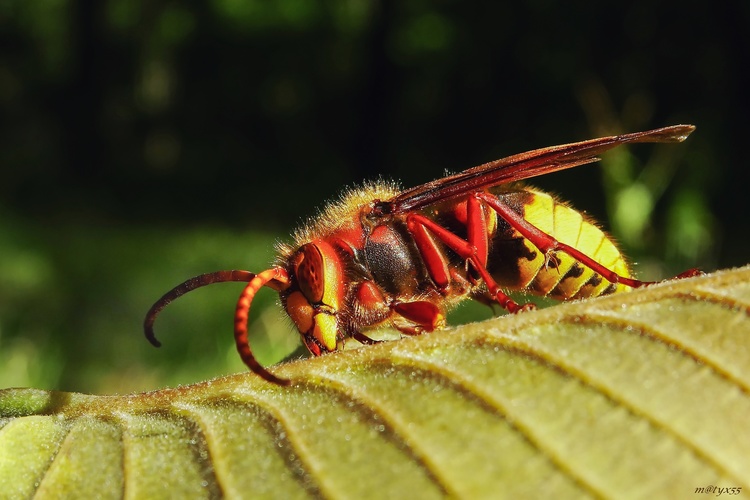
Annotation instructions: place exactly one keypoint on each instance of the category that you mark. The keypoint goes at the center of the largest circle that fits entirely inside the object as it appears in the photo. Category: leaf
(645, 394)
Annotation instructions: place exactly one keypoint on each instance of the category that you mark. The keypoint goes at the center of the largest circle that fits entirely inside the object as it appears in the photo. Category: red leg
(434, 260)
(690, 273)
(419, 226)
(373, 307)
(426, 315)
(547, 244)
(476, 229)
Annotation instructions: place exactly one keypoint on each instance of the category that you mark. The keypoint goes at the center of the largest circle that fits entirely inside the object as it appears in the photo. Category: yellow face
(316, 295)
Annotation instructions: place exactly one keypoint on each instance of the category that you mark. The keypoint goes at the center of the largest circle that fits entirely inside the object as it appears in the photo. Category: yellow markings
(333, 275)
(539, 211)
(325, 330)
(528, 269)
(567, 226)
(558, 274)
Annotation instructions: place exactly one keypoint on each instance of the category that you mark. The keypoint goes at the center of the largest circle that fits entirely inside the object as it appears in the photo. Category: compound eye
(310, 273)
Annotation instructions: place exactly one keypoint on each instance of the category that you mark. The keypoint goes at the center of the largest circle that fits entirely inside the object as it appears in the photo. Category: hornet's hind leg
(548, 245)
(475, 250)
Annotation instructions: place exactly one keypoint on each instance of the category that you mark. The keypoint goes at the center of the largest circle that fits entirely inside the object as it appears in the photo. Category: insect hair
(336, 214)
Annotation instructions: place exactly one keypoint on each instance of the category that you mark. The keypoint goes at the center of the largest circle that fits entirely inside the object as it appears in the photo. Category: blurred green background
(144, 142)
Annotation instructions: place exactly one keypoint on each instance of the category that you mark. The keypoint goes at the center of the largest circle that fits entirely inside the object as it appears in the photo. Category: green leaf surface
(644, 394)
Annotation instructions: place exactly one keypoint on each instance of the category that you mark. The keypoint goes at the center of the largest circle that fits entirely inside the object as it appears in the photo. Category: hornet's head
(310, 285)
(315, 295)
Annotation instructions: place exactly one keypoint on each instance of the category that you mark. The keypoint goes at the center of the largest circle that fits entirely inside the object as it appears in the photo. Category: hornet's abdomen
(517, 264)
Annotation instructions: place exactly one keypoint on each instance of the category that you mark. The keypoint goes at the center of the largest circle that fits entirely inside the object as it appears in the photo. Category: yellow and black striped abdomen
(517, 264)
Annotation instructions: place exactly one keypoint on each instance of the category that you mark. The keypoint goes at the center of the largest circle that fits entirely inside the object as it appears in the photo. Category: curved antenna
(185, 287)
(281, 277)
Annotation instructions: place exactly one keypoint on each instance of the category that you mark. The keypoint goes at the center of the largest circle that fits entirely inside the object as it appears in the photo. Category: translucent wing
(524, 166)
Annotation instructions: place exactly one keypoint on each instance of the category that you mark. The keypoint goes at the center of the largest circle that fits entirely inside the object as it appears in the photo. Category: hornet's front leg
(373, 307)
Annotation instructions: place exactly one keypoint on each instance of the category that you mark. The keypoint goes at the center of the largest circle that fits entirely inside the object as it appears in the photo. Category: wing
(524, 166)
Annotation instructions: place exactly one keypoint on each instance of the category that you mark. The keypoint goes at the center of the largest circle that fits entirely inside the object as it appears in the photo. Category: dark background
(143, 142)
